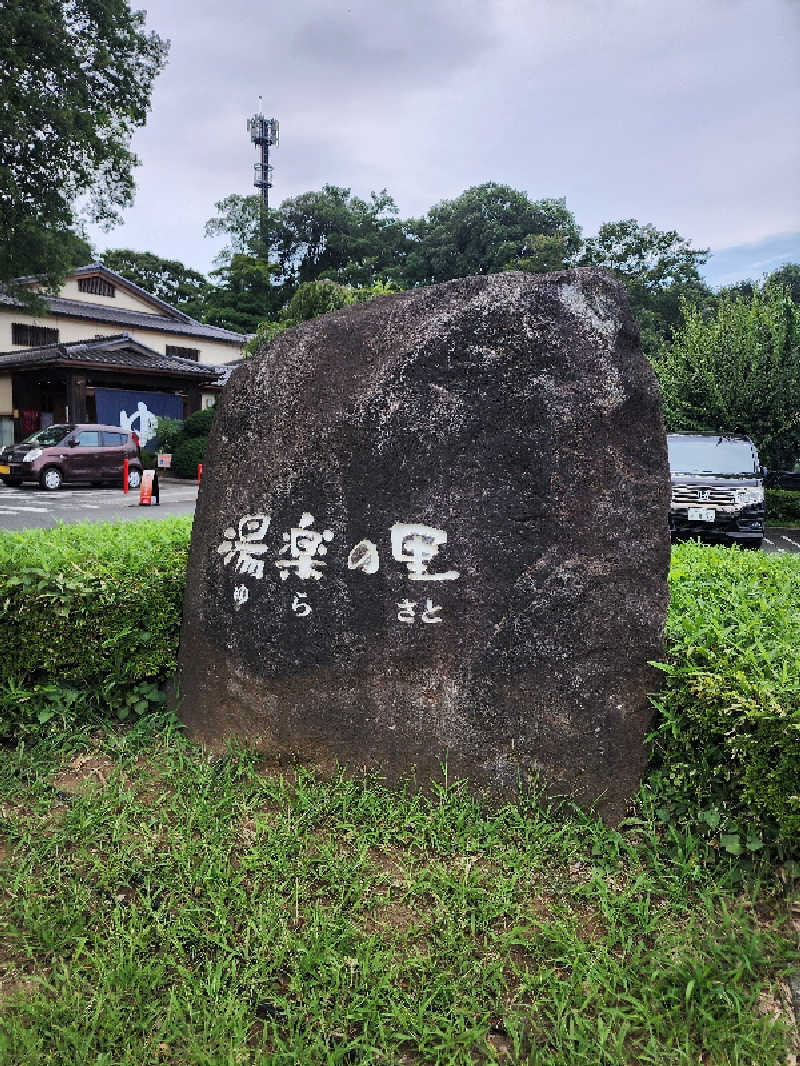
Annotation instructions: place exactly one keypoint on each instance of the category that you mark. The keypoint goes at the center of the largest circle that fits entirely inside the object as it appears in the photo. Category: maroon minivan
(62, 453)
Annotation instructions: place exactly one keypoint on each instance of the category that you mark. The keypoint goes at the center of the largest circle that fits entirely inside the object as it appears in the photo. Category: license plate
(702, 514)
(4, 469)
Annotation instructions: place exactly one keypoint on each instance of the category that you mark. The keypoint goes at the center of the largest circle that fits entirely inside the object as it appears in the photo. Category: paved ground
(31, 507)
(782, 540)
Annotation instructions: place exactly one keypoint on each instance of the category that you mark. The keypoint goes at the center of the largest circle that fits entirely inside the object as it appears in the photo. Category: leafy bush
(727, 742)
(188, 453)
(198, 424)
(783, 507)
(168, 432)
(89, 620)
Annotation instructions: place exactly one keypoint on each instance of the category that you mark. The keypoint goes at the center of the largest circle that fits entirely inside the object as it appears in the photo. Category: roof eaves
(119, 279)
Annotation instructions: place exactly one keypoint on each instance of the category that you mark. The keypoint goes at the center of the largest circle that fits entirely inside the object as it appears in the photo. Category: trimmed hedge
(783, 507)
(89, 620)
(727, 743)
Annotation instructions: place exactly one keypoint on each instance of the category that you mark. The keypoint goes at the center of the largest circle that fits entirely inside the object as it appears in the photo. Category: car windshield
(48, 437)
(711, 455)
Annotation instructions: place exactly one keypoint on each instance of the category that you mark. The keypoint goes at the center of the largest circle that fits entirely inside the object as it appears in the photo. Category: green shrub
(89, 620)
(199, 424)
(783, 507)
(727, 742)
(188, 453)
(168, 432)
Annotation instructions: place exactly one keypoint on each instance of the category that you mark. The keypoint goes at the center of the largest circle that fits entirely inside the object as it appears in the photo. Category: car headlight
(747, 497)
(32, 455)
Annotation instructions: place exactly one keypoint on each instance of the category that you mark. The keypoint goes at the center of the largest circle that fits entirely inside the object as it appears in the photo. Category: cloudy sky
(683, 113)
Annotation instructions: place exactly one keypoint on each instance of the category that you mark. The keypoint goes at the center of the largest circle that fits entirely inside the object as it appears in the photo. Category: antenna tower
(264, 134)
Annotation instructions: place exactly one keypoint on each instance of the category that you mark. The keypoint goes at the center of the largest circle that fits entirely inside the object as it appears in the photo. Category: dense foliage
(89, 618)
(783, 507)
(660, 272)
(738, 370)
(186, 441)
(728, 737)
(168, 279)
(75, 83)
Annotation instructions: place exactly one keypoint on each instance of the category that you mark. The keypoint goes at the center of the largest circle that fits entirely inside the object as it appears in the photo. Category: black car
(717, 489)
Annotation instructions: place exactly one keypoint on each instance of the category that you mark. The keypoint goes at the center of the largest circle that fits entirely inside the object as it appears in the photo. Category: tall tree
(659, 269)
(239, 219)
(169, 279)
(336, 235)
(241, 299)
(738, 371)
(490, 228)
(786, 277)
(328, 233)
(75, 82)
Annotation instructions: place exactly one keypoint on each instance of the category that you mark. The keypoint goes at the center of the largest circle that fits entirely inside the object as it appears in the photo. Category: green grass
(158, 906)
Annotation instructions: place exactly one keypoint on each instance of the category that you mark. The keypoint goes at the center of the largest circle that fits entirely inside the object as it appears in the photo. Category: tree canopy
(738, 371)
(76, 82)
(487, 229)
(659, 270)
(169, 279)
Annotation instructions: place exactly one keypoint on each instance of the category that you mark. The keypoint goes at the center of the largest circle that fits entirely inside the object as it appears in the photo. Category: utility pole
(264, 134)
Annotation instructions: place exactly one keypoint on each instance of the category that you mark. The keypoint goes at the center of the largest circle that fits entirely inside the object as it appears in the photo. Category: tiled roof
(120, 351)
(225, 370)
(172, 321)
(123, 282)
(121, 316)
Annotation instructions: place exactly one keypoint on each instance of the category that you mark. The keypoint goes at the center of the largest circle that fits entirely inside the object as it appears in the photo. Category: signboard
(137, 411)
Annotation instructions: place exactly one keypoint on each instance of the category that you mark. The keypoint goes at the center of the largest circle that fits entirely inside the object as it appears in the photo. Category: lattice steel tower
(263, 133)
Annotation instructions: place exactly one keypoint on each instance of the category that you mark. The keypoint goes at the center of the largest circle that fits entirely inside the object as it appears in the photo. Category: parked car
(66, 453)
(717, 489)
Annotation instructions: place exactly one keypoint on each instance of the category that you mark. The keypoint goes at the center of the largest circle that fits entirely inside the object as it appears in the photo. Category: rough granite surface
(514, 413)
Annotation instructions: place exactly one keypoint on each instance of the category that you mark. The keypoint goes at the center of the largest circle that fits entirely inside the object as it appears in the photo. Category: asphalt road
(30, 507)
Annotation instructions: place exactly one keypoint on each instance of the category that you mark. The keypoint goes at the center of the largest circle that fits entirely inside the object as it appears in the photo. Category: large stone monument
(433, 528)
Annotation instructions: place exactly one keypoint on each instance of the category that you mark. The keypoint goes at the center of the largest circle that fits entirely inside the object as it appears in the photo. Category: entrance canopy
(116, 380)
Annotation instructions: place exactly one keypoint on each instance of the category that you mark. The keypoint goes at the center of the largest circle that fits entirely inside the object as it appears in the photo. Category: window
(89, 438)
(97, 286)
(113, 440)
(32, 336)
(183, 353)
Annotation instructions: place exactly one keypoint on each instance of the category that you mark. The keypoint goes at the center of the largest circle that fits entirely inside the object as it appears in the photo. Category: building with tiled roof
(101, 331)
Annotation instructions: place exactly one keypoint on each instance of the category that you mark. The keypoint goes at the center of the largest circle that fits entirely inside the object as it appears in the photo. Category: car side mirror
(764, 471)
(74, 443)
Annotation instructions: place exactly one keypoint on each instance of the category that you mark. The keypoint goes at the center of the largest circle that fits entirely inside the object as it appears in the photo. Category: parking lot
(31, 507)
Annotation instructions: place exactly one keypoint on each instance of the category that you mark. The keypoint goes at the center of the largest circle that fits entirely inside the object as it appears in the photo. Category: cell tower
(264, 133)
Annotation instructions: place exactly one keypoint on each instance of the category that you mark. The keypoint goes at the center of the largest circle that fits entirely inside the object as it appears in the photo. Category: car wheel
(134, 479)
(754, 545)
(51, 478)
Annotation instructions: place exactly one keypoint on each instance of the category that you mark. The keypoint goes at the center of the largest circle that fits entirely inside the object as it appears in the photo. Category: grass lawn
(157, 906)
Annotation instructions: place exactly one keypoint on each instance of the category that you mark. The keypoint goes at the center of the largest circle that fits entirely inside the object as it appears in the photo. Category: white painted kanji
(249, 547)
(304, 545)
(416, 545)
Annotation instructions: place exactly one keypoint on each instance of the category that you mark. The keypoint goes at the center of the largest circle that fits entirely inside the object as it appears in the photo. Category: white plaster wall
(73, 329)
(126, 300)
